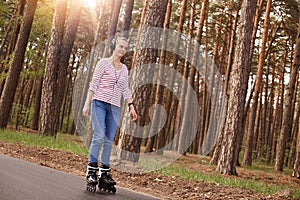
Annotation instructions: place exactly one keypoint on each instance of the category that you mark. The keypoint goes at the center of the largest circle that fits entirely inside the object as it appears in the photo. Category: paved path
(21, 180)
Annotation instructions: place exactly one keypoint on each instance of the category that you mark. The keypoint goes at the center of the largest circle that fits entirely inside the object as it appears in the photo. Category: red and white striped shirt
(108, 84)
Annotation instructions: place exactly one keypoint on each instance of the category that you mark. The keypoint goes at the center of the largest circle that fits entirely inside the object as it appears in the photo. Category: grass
(270, 169)
(62, 141)
(260, 187)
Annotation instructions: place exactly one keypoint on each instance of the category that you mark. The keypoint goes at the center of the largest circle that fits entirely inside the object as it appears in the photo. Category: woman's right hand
(86, 110)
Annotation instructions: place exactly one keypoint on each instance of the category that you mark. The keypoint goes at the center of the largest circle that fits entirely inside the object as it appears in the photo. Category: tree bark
(293, 153)
(48, 112)
(128, 15)
(61, 44)
(253, 39)
(238, 82)
(287, 113)
(296, 170)
(187, 133)
(72, 23)
(258, 84)
(17, 26)
(271, 117)
(159, 93)
(129, 147)
(15, 68)
(146, 2)
(37, 104)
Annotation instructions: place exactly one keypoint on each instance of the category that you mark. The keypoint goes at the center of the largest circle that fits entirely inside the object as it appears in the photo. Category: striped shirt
(108, 84)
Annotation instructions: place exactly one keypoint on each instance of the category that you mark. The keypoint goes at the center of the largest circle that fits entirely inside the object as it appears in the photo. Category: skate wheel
(91, 188)
(113, 190)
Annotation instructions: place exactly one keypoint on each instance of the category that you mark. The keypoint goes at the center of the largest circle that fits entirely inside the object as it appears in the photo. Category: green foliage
(136, 14)
(3, 76)
(42, 23)
(6, 9)
(62, 142)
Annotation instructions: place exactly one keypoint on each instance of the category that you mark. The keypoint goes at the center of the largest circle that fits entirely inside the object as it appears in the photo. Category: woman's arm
(97, 75)
(86, 107)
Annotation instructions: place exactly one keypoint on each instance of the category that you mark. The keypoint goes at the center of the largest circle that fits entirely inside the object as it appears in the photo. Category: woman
(109, 84)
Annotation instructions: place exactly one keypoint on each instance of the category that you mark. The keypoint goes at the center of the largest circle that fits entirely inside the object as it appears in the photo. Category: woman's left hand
(133, 114)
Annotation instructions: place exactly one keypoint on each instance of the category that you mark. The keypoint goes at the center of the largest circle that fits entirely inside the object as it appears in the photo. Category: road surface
(21, 180)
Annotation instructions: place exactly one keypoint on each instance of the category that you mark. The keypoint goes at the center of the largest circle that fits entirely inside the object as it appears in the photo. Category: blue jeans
(105, 119)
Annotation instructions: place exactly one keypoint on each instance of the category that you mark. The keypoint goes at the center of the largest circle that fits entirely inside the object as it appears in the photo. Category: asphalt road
(21, 180)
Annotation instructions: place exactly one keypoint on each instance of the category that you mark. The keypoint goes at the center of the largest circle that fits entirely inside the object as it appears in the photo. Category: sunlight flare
(90, 3)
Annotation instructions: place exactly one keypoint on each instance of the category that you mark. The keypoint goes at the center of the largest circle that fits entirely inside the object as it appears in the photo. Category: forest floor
(164, 187)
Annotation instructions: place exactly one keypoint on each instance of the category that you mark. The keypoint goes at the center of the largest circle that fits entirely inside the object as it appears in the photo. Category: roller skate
(106, 183)
(91, 177)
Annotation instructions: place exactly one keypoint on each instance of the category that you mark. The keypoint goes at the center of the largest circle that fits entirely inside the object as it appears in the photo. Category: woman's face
(121, 47)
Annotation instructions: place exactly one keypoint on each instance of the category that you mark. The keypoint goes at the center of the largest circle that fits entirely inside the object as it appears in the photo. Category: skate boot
(91, 177)
(106, 183)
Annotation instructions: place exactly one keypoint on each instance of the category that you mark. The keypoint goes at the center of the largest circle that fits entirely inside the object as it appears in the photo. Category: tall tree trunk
(278, 116)
(38, 93)
(188, 133)
(217, 146)
(146, 2)
(257, 18)
(11, 82)
(129, 145)
(294, 138)
(17, 26)
(171, 106)
(231, 50)
(205, 113)
(296, 170)
(291, 134)
(49, 117)
(258, 84)
(287, 113)
(128, 15)
(253, 39)
(270, 114)
(37, 104)
(172, 113)
(161, 139)
(54, 83)
(8, 42)
(265, 112)
(19, 98)
(238, 81)
(71, 27)
(212, 83)
(3, 44)
(257, 138)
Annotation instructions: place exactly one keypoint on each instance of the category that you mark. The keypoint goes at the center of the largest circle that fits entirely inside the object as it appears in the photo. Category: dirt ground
(151, 183)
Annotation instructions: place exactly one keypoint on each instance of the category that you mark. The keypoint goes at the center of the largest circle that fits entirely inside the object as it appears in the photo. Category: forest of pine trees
(227, 79)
